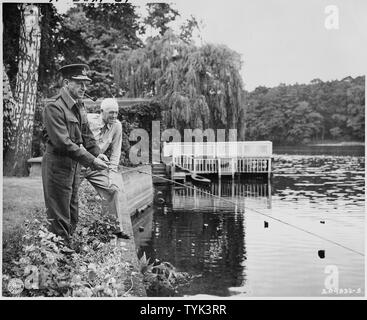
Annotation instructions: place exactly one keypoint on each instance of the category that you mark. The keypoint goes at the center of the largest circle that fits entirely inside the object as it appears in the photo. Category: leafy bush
(96, 269)
(162, 278)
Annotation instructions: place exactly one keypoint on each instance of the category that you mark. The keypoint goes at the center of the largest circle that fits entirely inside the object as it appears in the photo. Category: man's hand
(99, 164)
(103, 157)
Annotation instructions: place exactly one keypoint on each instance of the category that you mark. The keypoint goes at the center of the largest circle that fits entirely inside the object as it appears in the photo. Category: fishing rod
(251, 209)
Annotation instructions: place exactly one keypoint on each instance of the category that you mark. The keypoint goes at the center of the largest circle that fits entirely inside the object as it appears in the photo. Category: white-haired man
(107, 131)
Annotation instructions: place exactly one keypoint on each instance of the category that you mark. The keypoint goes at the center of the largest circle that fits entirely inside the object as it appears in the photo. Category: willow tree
(21, 103)
(197, 87)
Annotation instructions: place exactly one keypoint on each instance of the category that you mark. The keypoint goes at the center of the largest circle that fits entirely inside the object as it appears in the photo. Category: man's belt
(52, 150)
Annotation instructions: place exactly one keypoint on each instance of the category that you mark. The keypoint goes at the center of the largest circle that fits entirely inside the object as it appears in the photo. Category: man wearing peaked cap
(75, 71)
(70, 143)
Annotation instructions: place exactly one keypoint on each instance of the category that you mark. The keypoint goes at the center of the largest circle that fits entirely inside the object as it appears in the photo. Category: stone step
(159, 168)
(160, 175)
(157, 165)
(159, 171)
(157, 178)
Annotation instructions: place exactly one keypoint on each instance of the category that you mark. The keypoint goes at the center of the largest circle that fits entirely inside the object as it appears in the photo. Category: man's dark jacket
(67, 130)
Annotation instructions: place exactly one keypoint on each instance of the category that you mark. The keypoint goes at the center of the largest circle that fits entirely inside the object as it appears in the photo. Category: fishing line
(251, 209)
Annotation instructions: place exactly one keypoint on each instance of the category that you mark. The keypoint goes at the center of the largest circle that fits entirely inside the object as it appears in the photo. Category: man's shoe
(67, 250)
(68, 247)
(121, 235)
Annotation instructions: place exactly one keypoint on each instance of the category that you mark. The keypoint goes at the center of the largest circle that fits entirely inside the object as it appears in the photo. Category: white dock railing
(224, 158)
(231, 149)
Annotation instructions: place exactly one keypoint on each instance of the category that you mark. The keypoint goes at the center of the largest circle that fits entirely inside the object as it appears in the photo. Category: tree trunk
(22, 114)
(241, 125)
(8, 107)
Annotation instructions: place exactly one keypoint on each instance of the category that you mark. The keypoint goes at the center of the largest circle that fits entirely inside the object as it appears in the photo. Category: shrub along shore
(98, 268)
(102, 266)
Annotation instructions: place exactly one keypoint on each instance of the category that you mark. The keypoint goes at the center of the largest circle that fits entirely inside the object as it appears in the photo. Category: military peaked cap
(75, 71)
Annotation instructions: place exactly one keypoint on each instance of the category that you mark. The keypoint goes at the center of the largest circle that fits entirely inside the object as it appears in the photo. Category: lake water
(235, 247)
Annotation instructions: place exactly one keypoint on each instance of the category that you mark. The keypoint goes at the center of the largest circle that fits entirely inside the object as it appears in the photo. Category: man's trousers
(109, 185)
(61, 180)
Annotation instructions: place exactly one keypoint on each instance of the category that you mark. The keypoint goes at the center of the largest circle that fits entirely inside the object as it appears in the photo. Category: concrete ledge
(138, 187)
(139, 193)
(36, 169)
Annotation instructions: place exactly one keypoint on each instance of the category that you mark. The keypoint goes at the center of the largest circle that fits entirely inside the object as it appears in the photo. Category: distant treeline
(304, 113)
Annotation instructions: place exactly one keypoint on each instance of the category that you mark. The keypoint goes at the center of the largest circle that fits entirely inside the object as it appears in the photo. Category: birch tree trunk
(8, 108)
(22, 113)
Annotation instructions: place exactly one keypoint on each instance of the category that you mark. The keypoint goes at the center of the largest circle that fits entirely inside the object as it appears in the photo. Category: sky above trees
(281, 41)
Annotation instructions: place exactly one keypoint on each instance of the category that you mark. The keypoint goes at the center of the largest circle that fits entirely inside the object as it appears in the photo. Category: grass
(21, 197)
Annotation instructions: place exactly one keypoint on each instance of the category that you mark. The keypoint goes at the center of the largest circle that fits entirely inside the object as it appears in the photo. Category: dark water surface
(334, 150)
(237, 251)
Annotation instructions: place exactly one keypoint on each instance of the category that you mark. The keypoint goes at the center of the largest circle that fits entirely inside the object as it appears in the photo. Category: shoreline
(326, 144)
(338, 144)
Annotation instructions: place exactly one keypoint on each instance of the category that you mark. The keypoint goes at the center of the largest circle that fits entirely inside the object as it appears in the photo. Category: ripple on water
(237, 255)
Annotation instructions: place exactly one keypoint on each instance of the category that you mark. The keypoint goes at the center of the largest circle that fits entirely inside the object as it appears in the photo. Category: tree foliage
(60, 43)
(302, 113)
(188, 27)
(197, 87)
(159, 16)
(105, 29)
(88, 33)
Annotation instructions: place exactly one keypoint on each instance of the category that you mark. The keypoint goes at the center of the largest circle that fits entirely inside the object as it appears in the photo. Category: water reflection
(201, 234)
(235, 191)
(230, 247)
